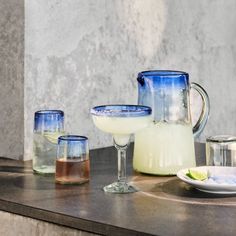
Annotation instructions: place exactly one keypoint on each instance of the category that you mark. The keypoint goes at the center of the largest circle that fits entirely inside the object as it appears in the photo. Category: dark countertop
(164, 206)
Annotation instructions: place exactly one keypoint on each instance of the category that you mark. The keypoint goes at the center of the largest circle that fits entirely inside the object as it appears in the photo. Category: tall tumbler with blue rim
(48, 126)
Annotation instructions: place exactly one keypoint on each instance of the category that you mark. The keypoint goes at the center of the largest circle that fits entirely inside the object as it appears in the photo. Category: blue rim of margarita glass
(121, 110)
(73, 138)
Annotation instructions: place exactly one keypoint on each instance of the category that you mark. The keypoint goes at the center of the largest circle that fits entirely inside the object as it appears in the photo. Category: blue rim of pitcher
(120, 110)
(164, 77)
(163, 73)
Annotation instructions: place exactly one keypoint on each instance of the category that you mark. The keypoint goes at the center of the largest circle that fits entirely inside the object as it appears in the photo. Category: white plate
(211, 187)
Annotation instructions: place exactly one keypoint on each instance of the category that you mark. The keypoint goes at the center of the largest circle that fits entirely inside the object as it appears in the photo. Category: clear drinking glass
(72, 164)
(121, 121)
(221, 150)
(48, 126)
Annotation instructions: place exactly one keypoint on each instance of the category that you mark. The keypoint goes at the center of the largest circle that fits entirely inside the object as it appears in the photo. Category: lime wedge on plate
(197, 175)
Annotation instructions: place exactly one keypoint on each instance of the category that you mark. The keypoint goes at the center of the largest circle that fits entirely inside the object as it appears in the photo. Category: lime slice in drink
(197, 175)
(52, 137)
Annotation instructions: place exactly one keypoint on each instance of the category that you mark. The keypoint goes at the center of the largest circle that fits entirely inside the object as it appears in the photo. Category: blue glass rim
(46, 112)
(117, 110)
(163, 73)
(71, 137)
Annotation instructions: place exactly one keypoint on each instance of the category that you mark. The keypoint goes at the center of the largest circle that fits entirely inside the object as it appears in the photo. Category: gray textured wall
(83, 53)
(11, 78)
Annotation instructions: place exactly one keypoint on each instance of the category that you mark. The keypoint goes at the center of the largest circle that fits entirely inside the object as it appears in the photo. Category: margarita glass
(121, 121)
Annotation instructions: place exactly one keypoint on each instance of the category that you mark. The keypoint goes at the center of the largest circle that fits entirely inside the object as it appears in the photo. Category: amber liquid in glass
(72, 172)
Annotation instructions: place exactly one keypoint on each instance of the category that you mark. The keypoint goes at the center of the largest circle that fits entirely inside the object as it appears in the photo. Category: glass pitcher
(167, 145)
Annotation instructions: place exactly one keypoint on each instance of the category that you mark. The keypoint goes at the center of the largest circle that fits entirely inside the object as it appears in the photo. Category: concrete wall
(83, 53)
(11, 78)
(12, 225)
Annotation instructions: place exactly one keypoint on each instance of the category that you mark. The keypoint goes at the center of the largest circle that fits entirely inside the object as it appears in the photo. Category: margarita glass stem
(121, 163)
(121, 154)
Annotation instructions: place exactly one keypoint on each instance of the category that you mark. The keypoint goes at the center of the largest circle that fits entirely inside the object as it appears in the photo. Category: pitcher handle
(199, 126)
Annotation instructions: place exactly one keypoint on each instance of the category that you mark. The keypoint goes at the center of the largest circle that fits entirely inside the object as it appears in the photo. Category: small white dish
(210, 187)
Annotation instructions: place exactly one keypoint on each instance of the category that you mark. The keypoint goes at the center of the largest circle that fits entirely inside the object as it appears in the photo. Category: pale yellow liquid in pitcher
(164, 149)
